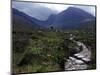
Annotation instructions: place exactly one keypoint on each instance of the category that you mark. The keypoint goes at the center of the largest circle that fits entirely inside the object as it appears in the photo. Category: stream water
(79, 60)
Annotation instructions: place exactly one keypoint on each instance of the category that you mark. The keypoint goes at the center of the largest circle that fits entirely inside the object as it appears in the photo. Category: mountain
(47, 22)
(22, 21)
(88, 26)
(71, 18)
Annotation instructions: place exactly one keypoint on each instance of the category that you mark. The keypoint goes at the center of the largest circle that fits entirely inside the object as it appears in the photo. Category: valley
(49, 51)
(47, 40)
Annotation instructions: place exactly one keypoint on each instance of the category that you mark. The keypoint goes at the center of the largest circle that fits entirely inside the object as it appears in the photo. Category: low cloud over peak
(42, 11)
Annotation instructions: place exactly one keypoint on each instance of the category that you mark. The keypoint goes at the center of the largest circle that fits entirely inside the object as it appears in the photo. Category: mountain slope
(22, 21)
(71, 18)
(47, 22)
(88, 26)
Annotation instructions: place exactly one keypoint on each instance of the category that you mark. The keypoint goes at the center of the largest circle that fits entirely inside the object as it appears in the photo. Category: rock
(78, 61)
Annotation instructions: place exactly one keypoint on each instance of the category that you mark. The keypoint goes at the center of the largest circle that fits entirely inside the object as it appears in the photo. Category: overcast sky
(41, 11)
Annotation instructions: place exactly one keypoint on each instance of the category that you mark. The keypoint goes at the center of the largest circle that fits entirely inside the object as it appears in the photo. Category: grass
(45, 51)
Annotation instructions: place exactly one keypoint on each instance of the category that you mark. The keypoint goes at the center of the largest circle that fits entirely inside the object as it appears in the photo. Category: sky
(41, 11)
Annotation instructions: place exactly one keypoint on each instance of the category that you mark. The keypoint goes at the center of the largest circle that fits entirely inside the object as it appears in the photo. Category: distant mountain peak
(71, 18)
(79, 9)
(68, 19)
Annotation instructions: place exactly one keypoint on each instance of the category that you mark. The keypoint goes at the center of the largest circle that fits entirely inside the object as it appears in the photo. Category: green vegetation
(46, 51)
(39, 51)
(89, 39)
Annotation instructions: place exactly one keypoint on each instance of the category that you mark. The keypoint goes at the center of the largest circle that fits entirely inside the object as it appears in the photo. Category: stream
(78, 61)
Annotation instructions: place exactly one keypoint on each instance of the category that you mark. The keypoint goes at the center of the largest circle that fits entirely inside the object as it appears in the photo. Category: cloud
(36, 10)
(57, 7)
(89, 9)
(42, 11)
